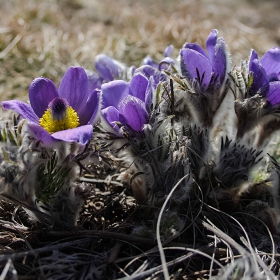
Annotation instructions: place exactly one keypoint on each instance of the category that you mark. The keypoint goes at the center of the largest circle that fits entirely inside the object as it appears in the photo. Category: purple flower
(108, 68)
(164, 63)
(65, 114)
(126, 103)
(266, 75)
(206, 68)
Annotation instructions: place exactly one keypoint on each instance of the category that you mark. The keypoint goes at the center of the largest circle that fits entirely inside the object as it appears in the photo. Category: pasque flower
(266, 75)
(164, 63)
(125, 103)
(259, 103)
(205, 68)
(110, 69)
(66, 113)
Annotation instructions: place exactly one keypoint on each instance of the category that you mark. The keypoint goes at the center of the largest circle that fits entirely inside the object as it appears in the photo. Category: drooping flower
(164, 63)
(126, 103)
(266, 75)
(206, 68)
(66, 113)
(110, 69)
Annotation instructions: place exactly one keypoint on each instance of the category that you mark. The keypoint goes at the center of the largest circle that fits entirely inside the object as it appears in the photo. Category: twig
(160, 247)
(104, 234)
(83, 179)
(56, 246)
(115, 252)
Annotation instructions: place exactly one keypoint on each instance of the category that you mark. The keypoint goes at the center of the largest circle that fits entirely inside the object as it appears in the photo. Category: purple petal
(138, 86)
(211, 42)
(131, 71)
(260, 83)
(94, 80)
(41, 92)
(149, 61)
(195, 47)
(111, 115)
(273, 94)
(271, 63)
(134, 112)
(41, 134)
(149, 93)
(220, 61)
(113, 92)
(253, 56)
(90, 112)
(74, 88)
(165, 63)
(81, 134)
(22, 109)
(146, 70)
(168, 50)
(108, 68)
(149, 71)
(194, 61)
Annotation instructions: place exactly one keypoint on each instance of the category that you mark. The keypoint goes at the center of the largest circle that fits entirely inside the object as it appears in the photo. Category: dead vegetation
(43, 38)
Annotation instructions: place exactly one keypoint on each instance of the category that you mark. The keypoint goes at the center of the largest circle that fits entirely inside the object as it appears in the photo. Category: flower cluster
(183, 117)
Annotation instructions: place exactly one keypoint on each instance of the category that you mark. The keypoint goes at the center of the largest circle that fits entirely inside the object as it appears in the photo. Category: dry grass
(43, 38)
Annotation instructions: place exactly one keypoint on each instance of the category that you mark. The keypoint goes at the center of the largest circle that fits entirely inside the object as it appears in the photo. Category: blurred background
(43, 38)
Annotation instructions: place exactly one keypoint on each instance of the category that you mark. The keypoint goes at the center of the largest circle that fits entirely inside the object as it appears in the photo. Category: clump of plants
(174, 155)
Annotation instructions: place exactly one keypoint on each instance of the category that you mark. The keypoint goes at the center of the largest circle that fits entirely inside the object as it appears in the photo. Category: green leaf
(50, 178)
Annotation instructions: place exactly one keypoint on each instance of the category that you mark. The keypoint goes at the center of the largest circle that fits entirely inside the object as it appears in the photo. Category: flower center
(59, 116)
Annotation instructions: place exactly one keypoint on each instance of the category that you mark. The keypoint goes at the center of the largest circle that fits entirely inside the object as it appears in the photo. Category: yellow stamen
(49, 123)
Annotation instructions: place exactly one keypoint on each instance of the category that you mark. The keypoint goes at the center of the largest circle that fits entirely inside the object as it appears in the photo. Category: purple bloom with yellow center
(266, 75)
(66, 113)
(127, 103)
(206, 68)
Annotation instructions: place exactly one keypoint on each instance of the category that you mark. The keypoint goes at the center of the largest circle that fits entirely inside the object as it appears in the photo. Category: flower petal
(271, 63)
(149, 61)
(138, 86)
(193, 62)
(40, 133)
(146, 70)
(252, 57)
(220, 60)
(108, 68)
(81, 134)
(22, 109)
(195, 47)
(211, 42)
(90, 113)
(130, 72)
(111, 115)
(165, 63)
(273, 94)
(260, 83)
(94, 80)
(41, 92)
(74, 88)
(149, 95)
(149, 71)
(113, 92)
(134, 112)
(168, 50)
